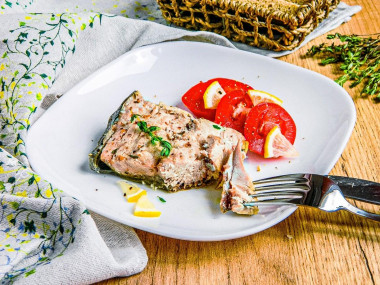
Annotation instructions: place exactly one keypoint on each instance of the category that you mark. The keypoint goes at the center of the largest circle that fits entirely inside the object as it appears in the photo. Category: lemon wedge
(145, 208)
(244, 146)
(132, 192)
(212, 95)
(258, 96)
(276, 144)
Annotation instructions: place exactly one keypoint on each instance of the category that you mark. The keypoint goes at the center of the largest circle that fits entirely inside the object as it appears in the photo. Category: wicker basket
(271, 24)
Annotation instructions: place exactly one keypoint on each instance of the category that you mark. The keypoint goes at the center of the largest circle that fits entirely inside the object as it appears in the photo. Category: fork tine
(278, 200)
(269, 182)
(279, 196)
(285, 187)
(292, 182)
(284, 179)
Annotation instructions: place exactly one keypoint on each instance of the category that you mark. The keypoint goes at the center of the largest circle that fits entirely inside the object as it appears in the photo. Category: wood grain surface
(311, 246)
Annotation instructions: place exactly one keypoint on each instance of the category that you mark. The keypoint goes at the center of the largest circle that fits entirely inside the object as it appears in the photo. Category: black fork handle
(358, 189)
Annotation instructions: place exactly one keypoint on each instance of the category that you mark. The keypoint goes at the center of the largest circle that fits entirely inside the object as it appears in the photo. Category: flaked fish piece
(236, 185)
(199, 148)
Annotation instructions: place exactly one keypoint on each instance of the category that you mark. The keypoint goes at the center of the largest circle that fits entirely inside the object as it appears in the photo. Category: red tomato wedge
(261, 119)
(230, 85)
(233, 109)
(193, 98)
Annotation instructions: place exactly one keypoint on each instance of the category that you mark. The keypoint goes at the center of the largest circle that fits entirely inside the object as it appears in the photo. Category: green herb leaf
(154, 140)
(134, 116)
(143, 126)
(217, 127)
(153, 128)
(359, 58)
(133, 156)
(165, 152)
(166, 144)
(161, 199)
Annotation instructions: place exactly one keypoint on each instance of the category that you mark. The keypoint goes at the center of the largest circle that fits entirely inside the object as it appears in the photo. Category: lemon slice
(258, 96)
(132, 192)
(212, 95)
(244, 146)
(276, 144)
(145, 208)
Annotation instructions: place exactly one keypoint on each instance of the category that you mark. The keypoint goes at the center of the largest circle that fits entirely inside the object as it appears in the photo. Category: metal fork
(304, 189)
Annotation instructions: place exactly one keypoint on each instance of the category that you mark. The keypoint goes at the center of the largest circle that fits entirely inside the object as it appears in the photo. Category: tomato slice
(193, 98)
(261, 119)
(230, 85)
(233, 109)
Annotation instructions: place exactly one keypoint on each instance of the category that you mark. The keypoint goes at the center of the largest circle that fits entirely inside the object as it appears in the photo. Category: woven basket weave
(271, 24)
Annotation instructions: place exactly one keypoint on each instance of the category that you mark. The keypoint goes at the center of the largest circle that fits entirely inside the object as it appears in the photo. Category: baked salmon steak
(164, 147)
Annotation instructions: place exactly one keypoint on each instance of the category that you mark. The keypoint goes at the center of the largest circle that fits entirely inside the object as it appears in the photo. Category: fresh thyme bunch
(360, 61)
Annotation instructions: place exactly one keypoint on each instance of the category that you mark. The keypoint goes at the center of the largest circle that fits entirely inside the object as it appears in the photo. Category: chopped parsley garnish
(217, 127)
(161, 199)
(133, 156)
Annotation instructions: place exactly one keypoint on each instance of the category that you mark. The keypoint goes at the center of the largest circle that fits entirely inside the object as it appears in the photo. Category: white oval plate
(60, 141)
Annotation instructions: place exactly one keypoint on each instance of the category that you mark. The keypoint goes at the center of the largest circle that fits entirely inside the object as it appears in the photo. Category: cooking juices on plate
(166, 147)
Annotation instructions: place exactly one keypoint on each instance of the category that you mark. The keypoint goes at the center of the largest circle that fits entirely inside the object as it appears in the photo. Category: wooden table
(311, 246)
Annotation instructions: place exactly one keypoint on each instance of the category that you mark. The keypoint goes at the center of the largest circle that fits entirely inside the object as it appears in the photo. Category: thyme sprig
(360, 61)
(143, 126)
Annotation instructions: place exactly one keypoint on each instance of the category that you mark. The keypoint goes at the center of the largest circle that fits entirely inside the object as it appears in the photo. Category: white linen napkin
(47, 237)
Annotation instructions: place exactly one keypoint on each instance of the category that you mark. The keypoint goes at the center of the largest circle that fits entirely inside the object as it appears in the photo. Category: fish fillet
(202, 152)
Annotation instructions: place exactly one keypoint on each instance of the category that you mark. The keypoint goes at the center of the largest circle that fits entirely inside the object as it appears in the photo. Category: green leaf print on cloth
(31, 57)
(38, 53)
